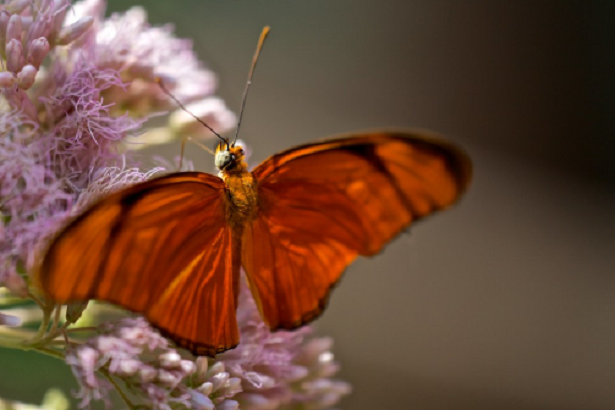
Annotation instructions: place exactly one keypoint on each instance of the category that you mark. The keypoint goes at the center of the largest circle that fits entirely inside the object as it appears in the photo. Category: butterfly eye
(233, 157)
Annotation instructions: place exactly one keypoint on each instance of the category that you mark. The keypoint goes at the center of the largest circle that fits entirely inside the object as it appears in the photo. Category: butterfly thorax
(242, 197)
(241, 189)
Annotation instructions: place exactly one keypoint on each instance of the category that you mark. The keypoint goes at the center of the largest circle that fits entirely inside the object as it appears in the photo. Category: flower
(130, 349)
(140, 53)
(26, 39)
(110, 179)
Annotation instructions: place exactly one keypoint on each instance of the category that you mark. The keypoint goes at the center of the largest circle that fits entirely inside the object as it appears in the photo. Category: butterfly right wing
(323, 204)
(161, 248)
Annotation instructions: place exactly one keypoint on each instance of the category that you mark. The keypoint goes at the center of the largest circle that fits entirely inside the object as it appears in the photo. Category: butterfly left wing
(161, 248)
(322, 204)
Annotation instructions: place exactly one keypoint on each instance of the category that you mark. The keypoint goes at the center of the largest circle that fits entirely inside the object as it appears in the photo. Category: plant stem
(54, 331)
(128, 402)
(56, 321)
(82, 329)
(50, 352)
(43, 328)
(16, 332)
(37, 300)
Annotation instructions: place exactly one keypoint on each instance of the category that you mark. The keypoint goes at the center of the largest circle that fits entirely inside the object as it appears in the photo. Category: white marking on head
(222, 159)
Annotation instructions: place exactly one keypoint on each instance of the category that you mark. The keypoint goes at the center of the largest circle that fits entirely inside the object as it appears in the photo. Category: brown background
(507, 301)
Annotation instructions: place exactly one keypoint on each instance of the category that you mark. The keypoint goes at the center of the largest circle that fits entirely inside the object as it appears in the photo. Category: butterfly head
(230, 158)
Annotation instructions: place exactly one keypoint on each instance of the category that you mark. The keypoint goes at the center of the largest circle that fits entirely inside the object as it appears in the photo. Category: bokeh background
(508, 300)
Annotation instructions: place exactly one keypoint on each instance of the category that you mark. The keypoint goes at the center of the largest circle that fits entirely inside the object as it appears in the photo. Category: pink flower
(140, 53)
(132, 350)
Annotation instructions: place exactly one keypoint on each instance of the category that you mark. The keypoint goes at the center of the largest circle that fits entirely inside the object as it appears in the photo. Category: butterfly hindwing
(161, 248)
(322, 204)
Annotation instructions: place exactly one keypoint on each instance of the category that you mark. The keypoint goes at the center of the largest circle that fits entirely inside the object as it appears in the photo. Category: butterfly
(171, 248)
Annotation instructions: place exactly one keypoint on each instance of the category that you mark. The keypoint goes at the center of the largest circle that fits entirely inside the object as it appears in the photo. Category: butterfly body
(171, 248)
(241, 205)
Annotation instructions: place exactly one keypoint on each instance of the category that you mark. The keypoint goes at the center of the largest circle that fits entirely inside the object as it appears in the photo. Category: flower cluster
(267, 371)
(131, 350)
(76, 92)
(73, 91)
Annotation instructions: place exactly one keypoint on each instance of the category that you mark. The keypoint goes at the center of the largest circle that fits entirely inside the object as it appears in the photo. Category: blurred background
(508, 300)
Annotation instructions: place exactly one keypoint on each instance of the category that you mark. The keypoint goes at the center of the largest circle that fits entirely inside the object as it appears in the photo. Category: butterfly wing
(323, 204)
(161, 248)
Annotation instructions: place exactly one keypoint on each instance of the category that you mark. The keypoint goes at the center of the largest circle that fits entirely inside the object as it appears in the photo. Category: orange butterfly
(171, 248)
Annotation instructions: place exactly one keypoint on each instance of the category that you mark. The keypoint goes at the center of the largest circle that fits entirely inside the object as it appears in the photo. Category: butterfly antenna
(259, 47)
(167, 92)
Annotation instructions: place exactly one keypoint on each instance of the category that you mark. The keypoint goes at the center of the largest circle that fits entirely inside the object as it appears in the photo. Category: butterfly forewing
(161, 248)
(323, 204)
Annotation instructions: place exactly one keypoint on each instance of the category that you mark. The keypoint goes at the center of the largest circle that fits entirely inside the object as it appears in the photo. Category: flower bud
(201, 401)
(14, 56)
(325, 357)
(219, 380)
(170, 360)
(7, 79)
(187, 366)
(147, 374)
(127, 367)
(234, 386)
(227, 405)
(95, 8)
(106, 344)
(326, 369)
(320, 384)
(167, 378)
(74, 310)
(313, 349)
(218, 367)
(60, 8)
(26, 77)
(201, 365)
(14, 29)
(206, 388)
(260, 380)
(26, 21)
(17, 6)
(37, 51)
(5, 16)
(255, 401)
(74, 31)
(297, 373)
(39, 28)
